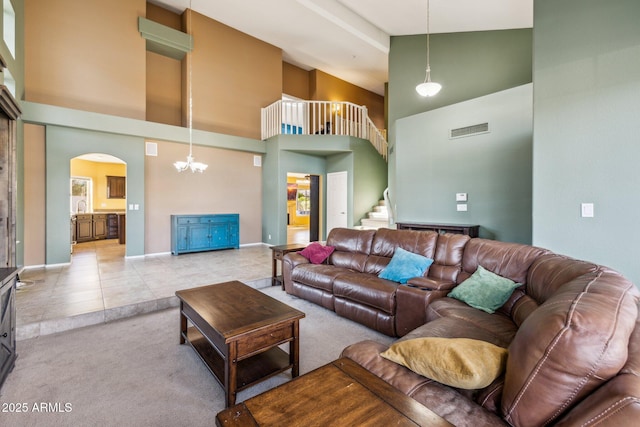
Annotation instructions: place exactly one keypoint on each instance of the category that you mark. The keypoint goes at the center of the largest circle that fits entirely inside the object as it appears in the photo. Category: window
(9, 26)
(81, 194)
(9, 81)
(303, 202)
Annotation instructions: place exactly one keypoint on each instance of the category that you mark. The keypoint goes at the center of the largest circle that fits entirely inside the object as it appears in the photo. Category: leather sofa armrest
(412, 301)
(289, 262)
(615, 403)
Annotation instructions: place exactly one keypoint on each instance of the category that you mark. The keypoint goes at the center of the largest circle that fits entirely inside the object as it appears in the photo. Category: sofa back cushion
(352, 247)
(448, 257)
(551, 271)
(510, 260)
(575, 341)
(386, 241)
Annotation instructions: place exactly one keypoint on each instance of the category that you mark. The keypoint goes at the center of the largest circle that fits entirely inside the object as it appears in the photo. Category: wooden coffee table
(341, 393)
(236, 331)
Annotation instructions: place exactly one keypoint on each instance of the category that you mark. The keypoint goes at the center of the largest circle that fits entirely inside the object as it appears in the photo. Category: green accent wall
(319, 155)
(62, 145)
(493, 168)
(468, 65)
(586, 130)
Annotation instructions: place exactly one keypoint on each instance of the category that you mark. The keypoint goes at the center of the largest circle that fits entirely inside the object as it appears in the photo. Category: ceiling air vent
(469, 130)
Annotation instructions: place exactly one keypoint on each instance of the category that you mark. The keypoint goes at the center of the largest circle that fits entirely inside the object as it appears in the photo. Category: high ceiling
(350, 39)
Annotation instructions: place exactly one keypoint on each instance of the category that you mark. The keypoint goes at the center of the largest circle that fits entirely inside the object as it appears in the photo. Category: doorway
(303, 208)
(98, 204)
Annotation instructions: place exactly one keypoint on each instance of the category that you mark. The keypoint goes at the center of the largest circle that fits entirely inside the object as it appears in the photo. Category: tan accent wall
(231, 184)
(295, 81)
(164, 89)
(86, 55)
(234, 74)
(34, 195)
(164, 75)
(164, 16)
(325, 87)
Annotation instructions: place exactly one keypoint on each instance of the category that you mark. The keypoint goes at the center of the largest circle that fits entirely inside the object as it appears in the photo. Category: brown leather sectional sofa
(571, 330)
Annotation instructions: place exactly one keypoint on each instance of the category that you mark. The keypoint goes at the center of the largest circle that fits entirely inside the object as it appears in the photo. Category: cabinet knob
(5, 335)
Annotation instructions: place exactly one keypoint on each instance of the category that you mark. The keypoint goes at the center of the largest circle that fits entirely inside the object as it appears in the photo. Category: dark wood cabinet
(88, 227)
(116, 187)
(467, 229)
(84, 227)
(8, 278)
(99, 226)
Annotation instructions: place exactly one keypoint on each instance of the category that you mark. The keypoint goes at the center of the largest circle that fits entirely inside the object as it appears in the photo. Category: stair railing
(321, 118)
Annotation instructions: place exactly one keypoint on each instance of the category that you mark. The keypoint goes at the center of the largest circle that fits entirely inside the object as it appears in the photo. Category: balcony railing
(321, 118)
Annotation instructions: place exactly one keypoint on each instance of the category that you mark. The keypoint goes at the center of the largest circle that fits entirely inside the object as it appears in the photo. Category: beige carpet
(133, 372)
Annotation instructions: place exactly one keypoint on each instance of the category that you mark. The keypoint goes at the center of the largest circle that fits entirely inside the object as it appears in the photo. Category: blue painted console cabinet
(196, 233)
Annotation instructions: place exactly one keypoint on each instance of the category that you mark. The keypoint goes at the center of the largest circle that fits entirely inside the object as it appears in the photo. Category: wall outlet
(461, 197)
(461, 207)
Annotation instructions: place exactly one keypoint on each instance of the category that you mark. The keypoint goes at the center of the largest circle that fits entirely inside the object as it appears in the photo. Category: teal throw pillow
(404, 265)
(484, 290)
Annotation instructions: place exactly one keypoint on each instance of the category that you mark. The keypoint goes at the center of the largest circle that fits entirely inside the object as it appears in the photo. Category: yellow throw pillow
(457, 362)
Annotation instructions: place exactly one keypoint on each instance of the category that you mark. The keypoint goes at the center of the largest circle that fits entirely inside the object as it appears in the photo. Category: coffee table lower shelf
(250, 370)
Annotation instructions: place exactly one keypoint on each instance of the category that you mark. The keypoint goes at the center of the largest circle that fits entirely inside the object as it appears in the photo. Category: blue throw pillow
(405, 265)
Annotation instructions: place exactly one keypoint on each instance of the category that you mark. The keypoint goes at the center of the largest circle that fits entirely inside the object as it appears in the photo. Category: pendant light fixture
(428, 88)
(190, 163)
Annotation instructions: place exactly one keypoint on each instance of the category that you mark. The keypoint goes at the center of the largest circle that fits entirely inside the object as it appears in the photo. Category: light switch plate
(586, 210)
(462, 207)
(461, 197)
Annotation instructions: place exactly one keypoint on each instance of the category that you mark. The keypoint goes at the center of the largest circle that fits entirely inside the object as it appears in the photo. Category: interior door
(337, 200)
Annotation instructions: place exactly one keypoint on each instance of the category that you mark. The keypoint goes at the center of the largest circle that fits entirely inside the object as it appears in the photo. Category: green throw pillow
(405, 265)
(484, 290)
(457, 362)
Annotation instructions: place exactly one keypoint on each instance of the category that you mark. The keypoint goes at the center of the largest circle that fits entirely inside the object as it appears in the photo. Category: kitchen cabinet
(116, 187)
(88, 227)
(99, 226)
(84, 227)
(196, 233)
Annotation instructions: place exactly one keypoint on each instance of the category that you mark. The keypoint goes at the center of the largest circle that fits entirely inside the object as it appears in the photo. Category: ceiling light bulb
(428, 88)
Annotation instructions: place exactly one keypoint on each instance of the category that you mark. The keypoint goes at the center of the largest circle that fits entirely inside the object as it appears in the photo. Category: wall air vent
(469, 131)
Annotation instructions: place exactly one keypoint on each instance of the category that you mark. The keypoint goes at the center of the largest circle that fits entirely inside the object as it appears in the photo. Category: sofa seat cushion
(320, 276)
(495, 328)
(445, 401)
(366, 289)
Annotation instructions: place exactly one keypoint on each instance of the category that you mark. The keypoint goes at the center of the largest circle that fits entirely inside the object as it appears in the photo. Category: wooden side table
(278, 253)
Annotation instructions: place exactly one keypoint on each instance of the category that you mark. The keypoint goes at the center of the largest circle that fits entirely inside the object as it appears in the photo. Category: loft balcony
(321, 118)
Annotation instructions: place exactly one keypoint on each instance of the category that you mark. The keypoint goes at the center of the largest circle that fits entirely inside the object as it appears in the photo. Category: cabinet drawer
(264, 339)
(84, 217)
(188, 220)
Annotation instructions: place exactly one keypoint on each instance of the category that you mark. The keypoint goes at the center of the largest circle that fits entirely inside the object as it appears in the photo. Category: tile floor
(101, 285)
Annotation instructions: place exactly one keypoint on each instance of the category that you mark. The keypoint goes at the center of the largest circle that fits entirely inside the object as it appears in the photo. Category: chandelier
(428, 88)
(190, 163)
